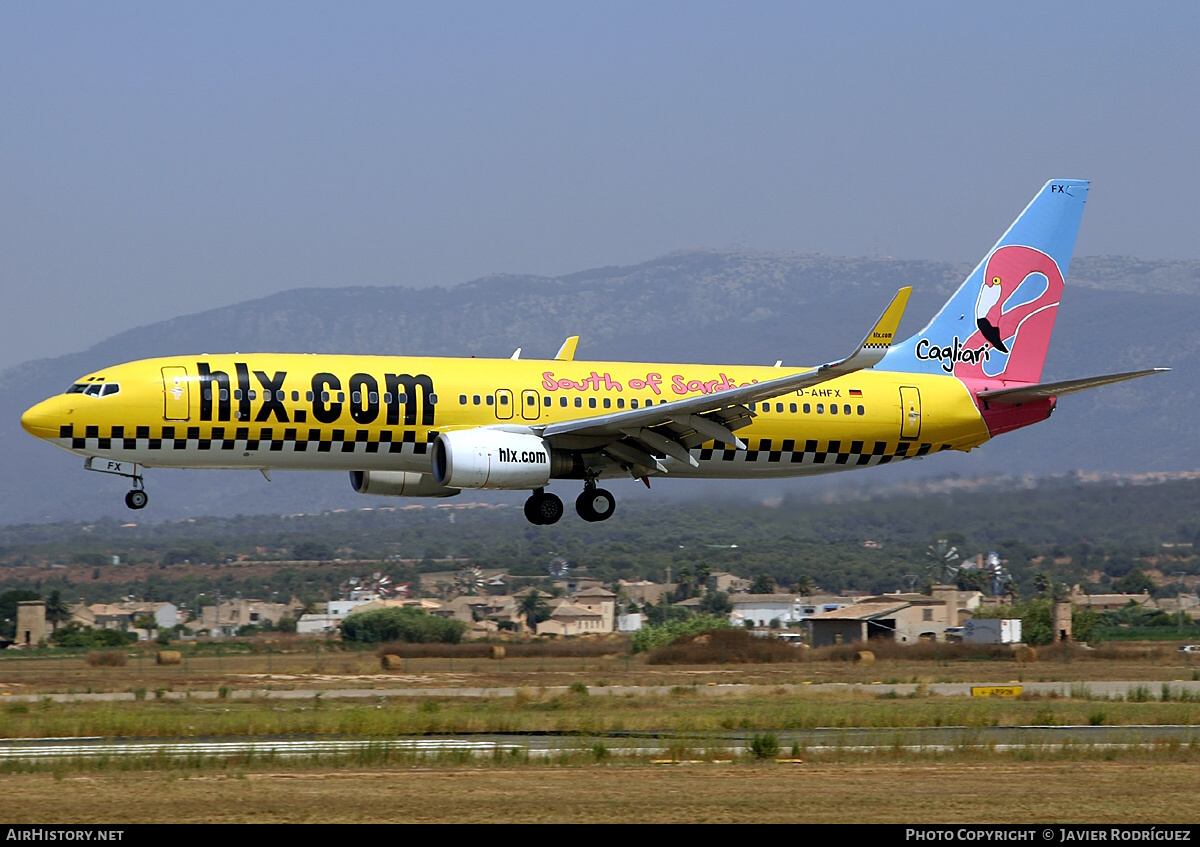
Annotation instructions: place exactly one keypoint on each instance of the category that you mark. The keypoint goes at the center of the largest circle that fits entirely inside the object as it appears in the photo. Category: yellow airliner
(430, 427)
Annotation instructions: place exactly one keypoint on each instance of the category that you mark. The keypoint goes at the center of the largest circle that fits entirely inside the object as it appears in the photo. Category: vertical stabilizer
(997, 325)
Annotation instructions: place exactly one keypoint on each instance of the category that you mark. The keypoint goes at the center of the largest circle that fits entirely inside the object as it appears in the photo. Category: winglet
(879, 339)
(566, 353)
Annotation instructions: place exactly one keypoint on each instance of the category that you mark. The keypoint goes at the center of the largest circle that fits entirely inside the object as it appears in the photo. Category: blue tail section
(997, 325)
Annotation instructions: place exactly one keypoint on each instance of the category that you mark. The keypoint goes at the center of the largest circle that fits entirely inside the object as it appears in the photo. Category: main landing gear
(594, 504)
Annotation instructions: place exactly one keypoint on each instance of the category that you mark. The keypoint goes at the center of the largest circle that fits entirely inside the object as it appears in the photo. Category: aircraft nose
(44, 419)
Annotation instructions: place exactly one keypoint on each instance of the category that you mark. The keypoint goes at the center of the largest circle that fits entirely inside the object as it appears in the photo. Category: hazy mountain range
(724, 307)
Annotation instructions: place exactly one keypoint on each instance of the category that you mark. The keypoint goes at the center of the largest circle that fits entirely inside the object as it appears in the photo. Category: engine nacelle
(491, 458)
(398, 484)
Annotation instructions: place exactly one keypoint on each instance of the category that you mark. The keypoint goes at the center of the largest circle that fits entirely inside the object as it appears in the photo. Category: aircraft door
(531, 405)
(177, 399)
(504, 404)
(910, 412)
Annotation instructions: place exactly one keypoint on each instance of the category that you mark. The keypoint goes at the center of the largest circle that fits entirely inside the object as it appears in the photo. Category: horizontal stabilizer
(1026, 393)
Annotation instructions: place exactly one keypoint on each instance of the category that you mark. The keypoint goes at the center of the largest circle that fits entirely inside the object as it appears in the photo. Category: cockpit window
(95, 389)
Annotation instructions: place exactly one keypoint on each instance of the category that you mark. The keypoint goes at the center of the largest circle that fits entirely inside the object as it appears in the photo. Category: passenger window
(462, 399)
(820, 408)
(578, 402)
(792, 408)
(475, 401)
(633, 404)
(591, 402)
(779, 407)
(807, 408)
(861, 410)
(846, 409)
(607, 403)
(620, 402)
(833, 408)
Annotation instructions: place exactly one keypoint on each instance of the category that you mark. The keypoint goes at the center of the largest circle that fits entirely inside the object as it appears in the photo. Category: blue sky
(162, 158)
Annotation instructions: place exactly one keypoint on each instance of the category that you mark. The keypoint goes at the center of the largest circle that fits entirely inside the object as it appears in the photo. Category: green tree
(1134, 582)
(716, 603)
(763, 584)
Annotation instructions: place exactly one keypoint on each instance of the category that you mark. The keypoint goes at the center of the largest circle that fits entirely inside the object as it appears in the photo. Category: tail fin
(998, 324)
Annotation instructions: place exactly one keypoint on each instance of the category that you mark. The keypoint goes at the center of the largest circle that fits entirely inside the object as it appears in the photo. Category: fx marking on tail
(431, 427)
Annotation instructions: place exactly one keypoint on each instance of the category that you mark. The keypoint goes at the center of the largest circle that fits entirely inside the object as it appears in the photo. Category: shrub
(75, 634)
(404, 623)
(649, 637)
(723, 646)
(764, 745)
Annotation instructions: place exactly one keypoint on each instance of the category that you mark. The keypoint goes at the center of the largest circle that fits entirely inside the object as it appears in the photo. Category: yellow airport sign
(996, 690)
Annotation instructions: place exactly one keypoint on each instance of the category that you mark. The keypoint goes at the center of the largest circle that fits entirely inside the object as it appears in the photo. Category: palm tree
(57, 610)
(534, 609)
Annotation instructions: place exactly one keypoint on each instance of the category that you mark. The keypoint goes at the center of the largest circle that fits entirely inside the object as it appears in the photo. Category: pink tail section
(1022, 314)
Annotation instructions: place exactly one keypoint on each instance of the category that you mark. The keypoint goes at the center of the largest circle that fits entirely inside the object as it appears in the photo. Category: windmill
(558, 567)
(469, 580)
(944, 560)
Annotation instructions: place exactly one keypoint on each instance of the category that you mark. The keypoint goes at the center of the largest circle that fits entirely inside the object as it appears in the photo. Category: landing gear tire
(137, 499)
(595, 504)
(543, 509)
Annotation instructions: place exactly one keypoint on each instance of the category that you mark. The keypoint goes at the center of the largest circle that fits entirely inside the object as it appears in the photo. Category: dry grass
(1127, 791)
(106, 659)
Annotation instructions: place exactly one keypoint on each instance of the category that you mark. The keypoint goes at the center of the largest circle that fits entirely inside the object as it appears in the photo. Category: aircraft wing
(631, 437)
(1025, 393)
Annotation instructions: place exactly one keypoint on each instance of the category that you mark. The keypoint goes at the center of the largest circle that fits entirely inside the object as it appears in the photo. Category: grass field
(568, 695)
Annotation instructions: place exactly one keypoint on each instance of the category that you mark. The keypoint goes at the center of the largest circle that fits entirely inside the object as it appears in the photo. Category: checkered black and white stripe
(271, 439)
(814, 452)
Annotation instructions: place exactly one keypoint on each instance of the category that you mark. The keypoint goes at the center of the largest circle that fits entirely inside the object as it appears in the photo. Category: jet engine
(398, 484)
(493, 458)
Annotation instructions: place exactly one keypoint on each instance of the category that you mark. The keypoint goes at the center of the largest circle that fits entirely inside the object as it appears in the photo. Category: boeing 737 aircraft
(431, 427)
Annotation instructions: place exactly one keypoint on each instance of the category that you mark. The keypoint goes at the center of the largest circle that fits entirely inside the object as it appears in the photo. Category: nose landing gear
(137, 499)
